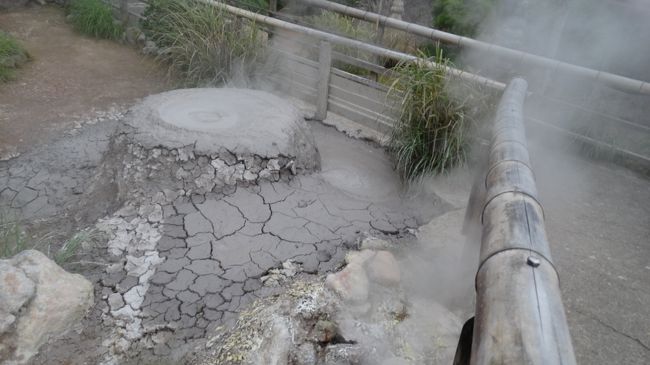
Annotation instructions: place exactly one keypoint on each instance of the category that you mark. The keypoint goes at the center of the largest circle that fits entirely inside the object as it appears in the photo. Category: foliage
(461, 17)
(438, 111)
(94, 18)
(202, 44)
(258, 6)
(72, 246)
(12, 237)
(347, 27)
(12, 55)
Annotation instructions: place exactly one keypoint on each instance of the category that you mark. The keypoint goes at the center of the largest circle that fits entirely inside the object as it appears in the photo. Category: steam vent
(246, 123)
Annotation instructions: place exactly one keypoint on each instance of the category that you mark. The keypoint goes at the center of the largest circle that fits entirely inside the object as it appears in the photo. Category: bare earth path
(70, 76)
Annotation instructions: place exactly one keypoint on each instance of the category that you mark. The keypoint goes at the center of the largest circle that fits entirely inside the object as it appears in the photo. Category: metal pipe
(335, 39)
(520, 317)
(616, 81)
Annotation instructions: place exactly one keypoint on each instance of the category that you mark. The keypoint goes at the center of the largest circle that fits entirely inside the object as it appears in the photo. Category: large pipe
(379, 51)
(616, 81)
(520, 317)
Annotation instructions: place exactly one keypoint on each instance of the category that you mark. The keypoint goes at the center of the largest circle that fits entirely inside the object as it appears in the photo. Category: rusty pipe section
(520, 317)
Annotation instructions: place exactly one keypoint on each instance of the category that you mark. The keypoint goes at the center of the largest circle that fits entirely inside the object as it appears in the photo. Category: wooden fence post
(124, 12)
(324, 70)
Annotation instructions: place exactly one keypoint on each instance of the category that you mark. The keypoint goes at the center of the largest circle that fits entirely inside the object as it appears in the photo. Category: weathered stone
(60, 301)
(115, 301)
(324, 331)
(351, 283)
(374, 243)
(383, 269)
(359, 257)
(15, 288)
(305, 354)
(343, 354)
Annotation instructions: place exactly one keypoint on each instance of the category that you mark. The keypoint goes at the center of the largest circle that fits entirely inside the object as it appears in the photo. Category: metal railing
(619, 82)
(626, 145)
(519, 317)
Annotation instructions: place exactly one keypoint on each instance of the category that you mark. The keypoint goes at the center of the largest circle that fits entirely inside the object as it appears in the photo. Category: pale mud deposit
(208, 200)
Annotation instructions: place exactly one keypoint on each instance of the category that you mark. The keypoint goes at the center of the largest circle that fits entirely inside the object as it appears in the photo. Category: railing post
(324, 70)
(273, 6)
(124, 12)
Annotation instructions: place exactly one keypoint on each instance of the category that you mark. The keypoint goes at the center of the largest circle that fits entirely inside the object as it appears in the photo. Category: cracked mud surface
(182, 255)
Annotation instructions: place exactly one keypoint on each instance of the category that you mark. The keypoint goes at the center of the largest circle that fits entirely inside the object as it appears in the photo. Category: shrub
(436, 115)
(202, 44)
(12, 55)
(94, 18)
(346, 26)
(461, 17)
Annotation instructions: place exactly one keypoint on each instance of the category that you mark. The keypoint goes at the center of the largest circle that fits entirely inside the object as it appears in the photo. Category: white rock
(61, 300)
(273, 164)
(374, 243)
(359, 257)
(250, 176)
(351, 283)
(115, 301)
(383, 269)
(15, 288)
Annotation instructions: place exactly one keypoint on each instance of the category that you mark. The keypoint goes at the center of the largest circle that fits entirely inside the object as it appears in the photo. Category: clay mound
(244, 122)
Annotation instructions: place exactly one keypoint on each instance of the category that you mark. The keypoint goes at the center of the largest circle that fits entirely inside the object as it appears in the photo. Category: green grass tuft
(93, 18)
(12, 237)
(12, 55)
(437, 114)
(201, 44)
(72, 246)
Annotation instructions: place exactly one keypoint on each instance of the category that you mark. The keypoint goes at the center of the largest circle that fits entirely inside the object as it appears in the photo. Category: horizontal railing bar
(616, 81)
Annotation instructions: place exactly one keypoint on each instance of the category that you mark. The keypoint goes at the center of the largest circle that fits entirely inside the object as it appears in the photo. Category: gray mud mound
(242, 121)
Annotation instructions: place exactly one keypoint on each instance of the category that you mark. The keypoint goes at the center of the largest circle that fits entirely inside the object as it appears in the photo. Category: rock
(359, 257)
(383, 269)
(6, 320)
(17, 288)
(59, 302)
(343, 354)
(115, 301)
(374, 243)
(150, 48)
(351, 283)
(305, 354)
(325, 331)
(131, 35)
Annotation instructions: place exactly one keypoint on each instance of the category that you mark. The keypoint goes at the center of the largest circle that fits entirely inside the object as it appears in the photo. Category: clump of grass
(347, 27)
(435, 119)
(15, 239)
(202, 45)
(72, 246)
(12, 237)
(94, 18)
(12, 55)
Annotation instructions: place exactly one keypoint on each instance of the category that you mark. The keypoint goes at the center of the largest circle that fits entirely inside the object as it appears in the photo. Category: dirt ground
(70, 76)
